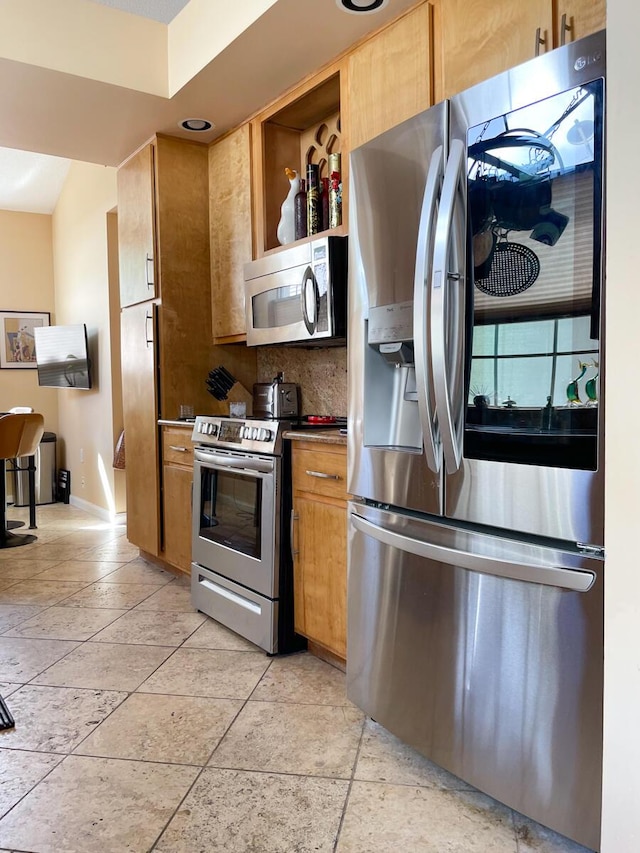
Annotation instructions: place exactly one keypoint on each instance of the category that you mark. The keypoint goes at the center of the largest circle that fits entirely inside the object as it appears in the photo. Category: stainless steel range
(241, 571)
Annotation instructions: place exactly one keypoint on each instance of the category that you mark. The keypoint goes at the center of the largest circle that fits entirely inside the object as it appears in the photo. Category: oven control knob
(210, 429)
(255, 433)
(214, 429)
(264, 435)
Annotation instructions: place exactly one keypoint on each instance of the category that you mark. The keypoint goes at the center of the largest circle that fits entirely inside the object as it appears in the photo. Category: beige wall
(82, 295)
(621, 815)
(26, 284)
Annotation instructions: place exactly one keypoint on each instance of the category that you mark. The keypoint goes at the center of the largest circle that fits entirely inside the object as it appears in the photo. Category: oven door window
(231, 510)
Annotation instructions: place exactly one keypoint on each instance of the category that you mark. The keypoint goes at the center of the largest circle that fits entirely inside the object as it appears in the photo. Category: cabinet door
(480, 39)
(140, 411)
(320, 573)
(136, 228)
(177, 516)
(578, 18)
(390, 76)
(230, 227)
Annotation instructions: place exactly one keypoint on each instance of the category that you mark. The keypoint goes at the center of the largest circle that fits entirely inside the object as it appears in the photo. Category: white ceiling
(50, 112)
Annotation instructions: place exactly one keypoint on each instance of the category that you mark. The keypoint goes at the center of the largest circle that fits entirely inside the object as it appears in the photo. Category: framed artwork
(17, 344)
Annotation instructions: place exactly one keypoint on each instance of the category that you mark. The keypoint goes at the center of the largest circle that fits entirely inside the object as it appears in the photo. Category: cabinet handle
(564, 29)
(150, 278)
(179, 449)
(539, 41)
(323, 476)
(146, 330)
(294, 517)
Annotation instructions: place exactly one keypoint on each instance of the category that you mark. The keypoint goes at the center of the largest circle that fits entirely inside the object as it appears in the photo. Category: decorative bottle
(313, 200)
(300, 203)
(324, 204)
(286, 226)
(335, 191)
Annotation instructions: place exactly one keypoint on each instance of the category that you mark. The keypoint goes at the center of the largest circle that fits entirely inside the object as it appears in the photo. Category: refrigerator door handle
(420, 317)
(447, 307)
(570, 579)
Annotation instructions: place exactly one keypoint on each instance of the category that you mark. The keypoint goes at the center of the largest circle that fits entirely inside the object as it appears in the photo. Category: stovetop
(253, 435)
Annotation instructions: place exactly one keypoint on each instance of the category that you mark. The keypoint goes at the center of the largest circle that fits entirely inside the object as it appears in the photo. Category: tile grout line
(350, 786)
(205, 766)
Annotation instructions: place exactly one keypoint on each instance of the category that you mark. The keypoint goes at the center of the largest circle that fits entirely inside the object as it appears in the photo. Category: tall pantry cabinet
(163, 235)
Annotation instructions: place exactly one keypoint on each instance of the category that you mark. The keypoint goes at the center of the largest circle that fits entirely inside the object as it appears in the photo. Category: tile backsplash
(321, 374)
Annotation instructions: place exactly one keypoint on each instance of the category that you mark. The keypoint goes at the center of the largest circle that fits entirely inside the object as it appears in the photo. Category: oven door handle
(234, 463)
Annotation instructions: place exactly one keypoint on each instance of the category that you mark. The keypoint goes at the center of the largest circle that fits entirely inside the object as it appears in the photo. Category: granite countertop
(322, 436)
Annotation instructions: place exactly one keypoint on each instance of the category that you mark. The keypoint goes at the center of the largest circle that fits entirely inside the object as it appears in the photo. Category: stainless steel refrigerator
(475, 448)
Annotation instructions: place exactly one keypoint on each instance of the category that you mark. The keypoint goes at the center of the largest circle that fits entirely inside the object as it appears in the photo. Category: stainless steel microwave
(298, 295)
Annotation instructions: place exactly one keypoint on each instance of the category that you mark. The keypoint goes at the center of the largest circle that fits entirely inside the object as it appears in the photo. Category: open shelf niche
(303, 128)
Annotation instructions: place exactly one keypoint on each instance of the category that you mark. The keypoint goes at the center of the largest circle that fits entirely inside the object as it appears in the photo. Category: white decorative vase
(286, 231)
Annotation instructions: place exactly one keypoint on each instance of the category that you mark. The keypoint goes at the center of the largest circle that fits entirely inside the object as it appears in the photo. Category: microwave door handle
(447, 308)
(420, 309)
(310, 322)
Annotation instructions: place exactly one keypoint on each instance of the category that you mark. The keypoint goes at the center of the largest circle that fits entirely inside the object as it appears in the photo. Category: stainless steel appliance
(276, 399)
(241, 574)
(298, 295)
(476, 562)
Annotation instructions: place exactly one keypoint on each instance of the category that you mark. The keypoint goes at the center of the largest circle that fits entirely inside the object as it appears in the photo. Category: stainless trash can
(45, 474)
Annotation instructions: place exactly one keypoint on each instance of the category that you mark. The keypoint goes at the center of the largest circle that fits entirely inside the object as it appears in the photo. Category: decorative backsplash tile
(321, 374)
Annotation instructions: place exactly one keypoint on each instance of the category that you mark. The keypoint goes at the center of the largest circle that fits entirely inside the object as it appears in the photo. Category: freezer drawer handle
(570, 579)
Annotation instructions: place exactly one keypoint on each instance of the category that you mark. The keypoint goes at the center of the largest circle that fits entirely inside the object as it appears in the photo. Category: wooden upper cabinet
(481, 39)
(230, 231)
(578, 18)
(136, 228)
(390, 77)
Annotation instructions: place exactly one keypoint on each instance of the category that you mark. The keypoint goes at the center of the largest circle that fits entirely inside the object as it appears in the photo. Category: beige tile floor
(142, 725)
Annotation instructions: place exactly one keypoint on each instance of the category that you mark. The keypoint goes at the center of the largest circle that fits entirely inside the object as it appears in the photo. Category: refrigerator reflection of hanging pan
(476, 367)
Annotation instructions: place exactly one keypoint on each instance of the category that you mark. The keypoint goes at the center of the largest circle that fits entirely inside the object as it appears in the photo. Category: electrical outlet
(82, 482)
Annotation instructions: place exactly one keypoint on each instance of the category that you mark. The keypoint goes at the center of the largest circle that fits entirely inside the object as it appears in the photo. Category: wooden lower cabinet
(177, 481)
(139, 382)
(320, 544)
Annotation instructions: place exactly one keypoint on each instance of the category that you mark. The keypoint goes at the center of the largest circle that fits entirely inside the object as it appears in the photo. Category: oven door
(236, 518)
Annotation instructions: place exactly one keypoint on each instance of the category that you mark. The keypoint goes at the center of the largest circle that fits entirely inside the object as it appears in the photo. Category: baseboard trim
(101, 512)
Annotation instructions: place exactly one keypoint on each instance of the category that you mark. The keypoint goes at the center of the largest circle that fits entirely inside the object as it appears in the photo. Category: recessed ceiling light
(361, 7)
(197, 125)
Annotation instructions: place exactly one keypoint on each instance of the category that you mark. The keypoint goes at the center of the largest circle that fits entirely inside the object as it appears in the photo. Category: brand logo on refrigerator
(582, 61)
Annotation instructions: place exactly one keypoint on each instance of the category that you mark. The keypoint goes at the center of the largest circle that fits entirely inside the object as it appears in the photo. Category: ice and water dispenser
(391, 417)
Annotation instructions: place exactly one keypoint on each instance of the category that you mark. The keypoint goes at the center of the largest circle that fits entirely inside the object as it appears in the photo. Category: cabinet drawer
(177, 446)
(320, 473)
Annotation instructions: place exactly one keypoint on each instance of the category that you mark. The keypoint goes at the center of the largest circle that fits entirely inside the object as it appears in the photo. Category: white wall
(621, 809)
(81, 274)
(26, 284)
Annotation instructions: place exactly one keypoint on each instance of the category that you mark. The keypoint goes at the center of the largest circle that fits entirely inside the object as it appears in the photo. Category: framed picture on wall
(17, 342)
